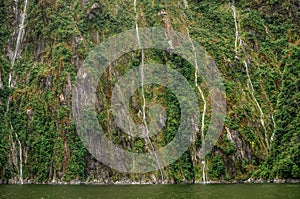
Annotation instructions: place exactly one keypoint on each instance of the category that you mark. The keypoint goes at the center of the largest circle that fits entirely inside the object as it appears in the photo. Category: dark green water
(152, 191)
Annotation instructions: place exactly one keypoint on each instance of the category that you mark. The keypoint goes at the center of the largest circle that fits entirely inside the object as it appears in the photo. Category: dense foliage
(36, 115)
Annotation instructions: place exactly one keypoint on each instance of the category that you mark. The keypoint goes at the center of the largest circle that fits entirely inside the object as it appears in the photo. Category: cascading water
(196, 74)
(13, 57)
(236, 29)
(143, 93)
(20, 156)
(250, 85)
(186, 5)
(274, 125)
(204, 108)
(21, 31)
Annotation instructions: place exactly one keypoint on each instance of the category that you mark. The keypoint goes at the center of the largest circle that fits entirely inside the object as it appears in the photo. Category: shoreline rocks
(129, 182)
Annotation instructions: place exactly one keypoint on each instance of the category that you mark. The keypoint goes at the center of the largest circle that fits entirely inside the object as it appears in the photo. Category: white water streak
(13, 59)
(250, 85)
(143, 91)
(20, 153)
(186, 5)
(274, 125)
(204, 107)
(19, 39)
(236, 29)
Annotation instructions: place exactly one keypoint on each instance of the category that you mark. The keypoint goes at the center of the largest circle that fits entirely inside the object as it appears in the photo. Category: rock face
(44, 44)
(241, 153)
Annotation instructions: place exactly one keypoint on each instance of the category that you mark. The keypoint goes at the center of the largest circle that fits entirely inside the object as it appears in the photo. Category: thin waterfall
(13, 58)
(250, 85)
(143, 92)
(186, 5)
(274, 125)
(19, 143)
(196, 74)
(20, 155)
(236, 29)
(13, 144)
(21, 31)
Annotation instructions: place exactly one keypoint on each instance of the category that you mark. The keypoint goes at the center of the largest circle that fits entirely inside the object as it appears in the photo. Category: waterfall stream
(196, 74)
(186, 5)
(250, 85)
(204, 108)
(20, 156)
(13, 57)
(236, 30)
(143, 93)
(20, 35)
(274, 125)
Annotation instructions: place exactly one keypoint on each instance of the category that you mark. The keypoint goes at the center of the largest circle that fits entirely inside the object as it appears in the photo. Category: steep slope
(254, 44)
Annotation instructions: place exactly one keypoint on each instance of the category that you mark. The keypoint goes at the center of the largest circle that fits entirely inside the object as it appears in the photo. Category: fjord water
(152, 191)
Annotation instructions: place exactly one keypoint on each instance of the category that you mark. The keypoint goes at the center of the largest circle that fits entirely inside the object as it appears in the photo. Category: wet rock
(260, 180)
(29, 113)
(40, 46)
(277, 180)
(46, 82)
(95, 9)
(242, 150)
(49, 81)
(154, 179)
(293, 181)
(13, 181)
(62, 98)
(250, 180)
(75, 182)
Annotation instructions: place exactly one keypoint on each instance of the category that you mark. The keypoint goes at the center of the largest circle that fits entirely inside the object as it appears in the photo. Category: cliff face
(254, 44)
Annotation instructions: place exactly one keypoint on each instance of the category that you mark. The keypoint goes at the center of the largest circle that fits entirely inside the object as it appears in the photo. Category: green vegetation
(60, 34)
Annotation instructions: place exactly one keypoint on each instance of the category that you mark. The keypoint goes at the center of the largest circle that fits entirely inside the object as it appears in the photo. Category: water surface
(152, 191)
